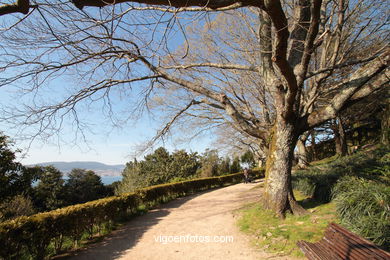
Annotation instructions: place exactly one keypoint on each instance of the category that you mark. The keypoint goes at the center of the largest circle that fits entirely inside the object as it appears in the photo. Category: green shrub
(364, 207)
(318, 181)
(15, 207)
(359, 185)
(32, 235)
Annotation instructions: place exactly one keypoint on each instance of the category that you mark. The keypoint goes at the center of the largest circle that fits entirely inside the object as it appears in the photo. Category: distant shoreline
(106, 180)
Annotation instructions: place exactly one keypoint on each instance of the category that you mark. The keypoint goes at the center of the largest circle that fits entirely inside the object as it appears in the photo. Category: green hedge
(31, 236)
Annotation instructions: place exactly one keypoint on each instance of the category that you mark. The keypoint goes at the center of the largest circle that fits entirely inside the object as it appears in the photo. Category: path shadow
(117, 242)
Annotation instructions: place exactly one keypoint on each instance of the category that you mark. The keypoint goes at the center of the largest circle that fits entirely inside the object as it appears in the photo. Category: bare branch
(214, 65)
(189, 9)
(351, 88)
(213, 4)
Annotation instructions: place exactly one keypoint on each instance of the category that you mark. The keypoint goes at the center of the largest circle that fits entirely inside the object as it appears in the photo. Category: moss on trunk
(278, 195)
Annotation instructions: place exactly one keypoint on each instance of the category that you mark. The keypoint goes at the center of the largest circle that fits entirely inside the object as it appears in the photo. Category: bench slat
(368, 244)
(345, 247)
(315, 251)
(340, 243)
(362, 245)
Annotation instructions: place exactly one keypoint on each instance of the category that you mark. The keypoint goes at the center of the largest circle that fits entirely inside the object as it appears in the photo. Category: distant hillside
(100, 168)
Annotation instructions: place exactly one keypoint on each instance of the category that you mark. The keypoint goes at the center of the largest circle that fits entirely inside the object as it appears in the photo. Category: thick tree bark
(278, 194)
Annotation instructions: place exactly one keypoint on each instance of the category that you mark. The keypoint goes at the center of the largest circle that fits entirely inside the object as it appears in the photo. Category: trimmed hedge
(32, 235)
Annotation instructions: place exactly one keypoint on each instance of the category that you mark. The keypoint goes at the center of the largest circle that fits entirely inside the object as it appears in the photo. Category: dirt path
(193, 220)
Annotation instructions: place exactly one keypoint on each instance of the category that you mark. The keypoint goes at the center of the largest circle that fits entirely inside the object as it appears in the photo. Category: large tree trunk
(278, 194)
(340, 138)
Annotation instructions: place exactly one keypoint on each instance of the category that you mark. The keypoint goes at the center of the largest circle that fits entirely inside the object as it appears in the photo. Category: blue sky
(110, 146)
(117, 148)
(104, 143)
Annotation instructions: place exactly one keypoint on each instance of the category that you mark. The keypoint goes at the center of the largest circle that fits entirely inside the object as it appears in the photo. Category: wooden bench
(341, 244)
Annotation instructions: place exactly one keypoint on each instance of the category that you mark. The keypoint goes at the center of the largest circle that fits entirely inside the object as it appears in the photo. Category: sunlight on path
(201, 226)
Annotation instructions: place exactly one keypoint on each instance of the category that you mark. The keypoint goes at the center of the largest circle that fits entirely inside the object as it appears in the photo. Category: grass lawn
(276, 235)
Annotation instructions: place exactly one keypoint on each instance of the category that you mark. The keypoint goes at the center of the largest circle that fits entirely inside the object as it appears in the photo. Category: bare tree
(251, 89)
(315, 58)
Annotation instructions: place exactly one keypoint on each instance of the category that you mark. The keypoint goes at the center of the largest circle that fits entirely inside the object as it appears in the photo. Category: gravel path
(181, 228)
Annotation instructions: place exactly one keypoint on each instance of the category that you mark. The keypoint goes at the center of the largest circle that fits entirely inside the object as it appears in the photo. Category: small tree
(49, 193)
(15, 179)
(224, 166)
(82, 186)
(236, 166)
(157, 168)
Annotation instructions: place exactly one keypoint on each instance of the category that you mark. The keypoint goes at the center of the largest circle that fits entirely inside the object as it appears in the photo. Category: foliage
(272, 234)
(224, 166)
(19, 197)
(317, 181)
(235, 167)
(49, 192)
(32, 235)
(209, 161)
(84, 185)
(213, 165)
(157, 168)
(16, 206)
(164, 167)
(359, 185)
(364, 207)
(248, 158)
(15, 179)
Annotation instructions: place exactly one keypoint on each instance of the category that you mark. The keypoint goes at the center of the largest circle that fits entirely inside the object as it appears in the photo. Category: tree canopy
(84, 185)
(15, 179)
(157, 168)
